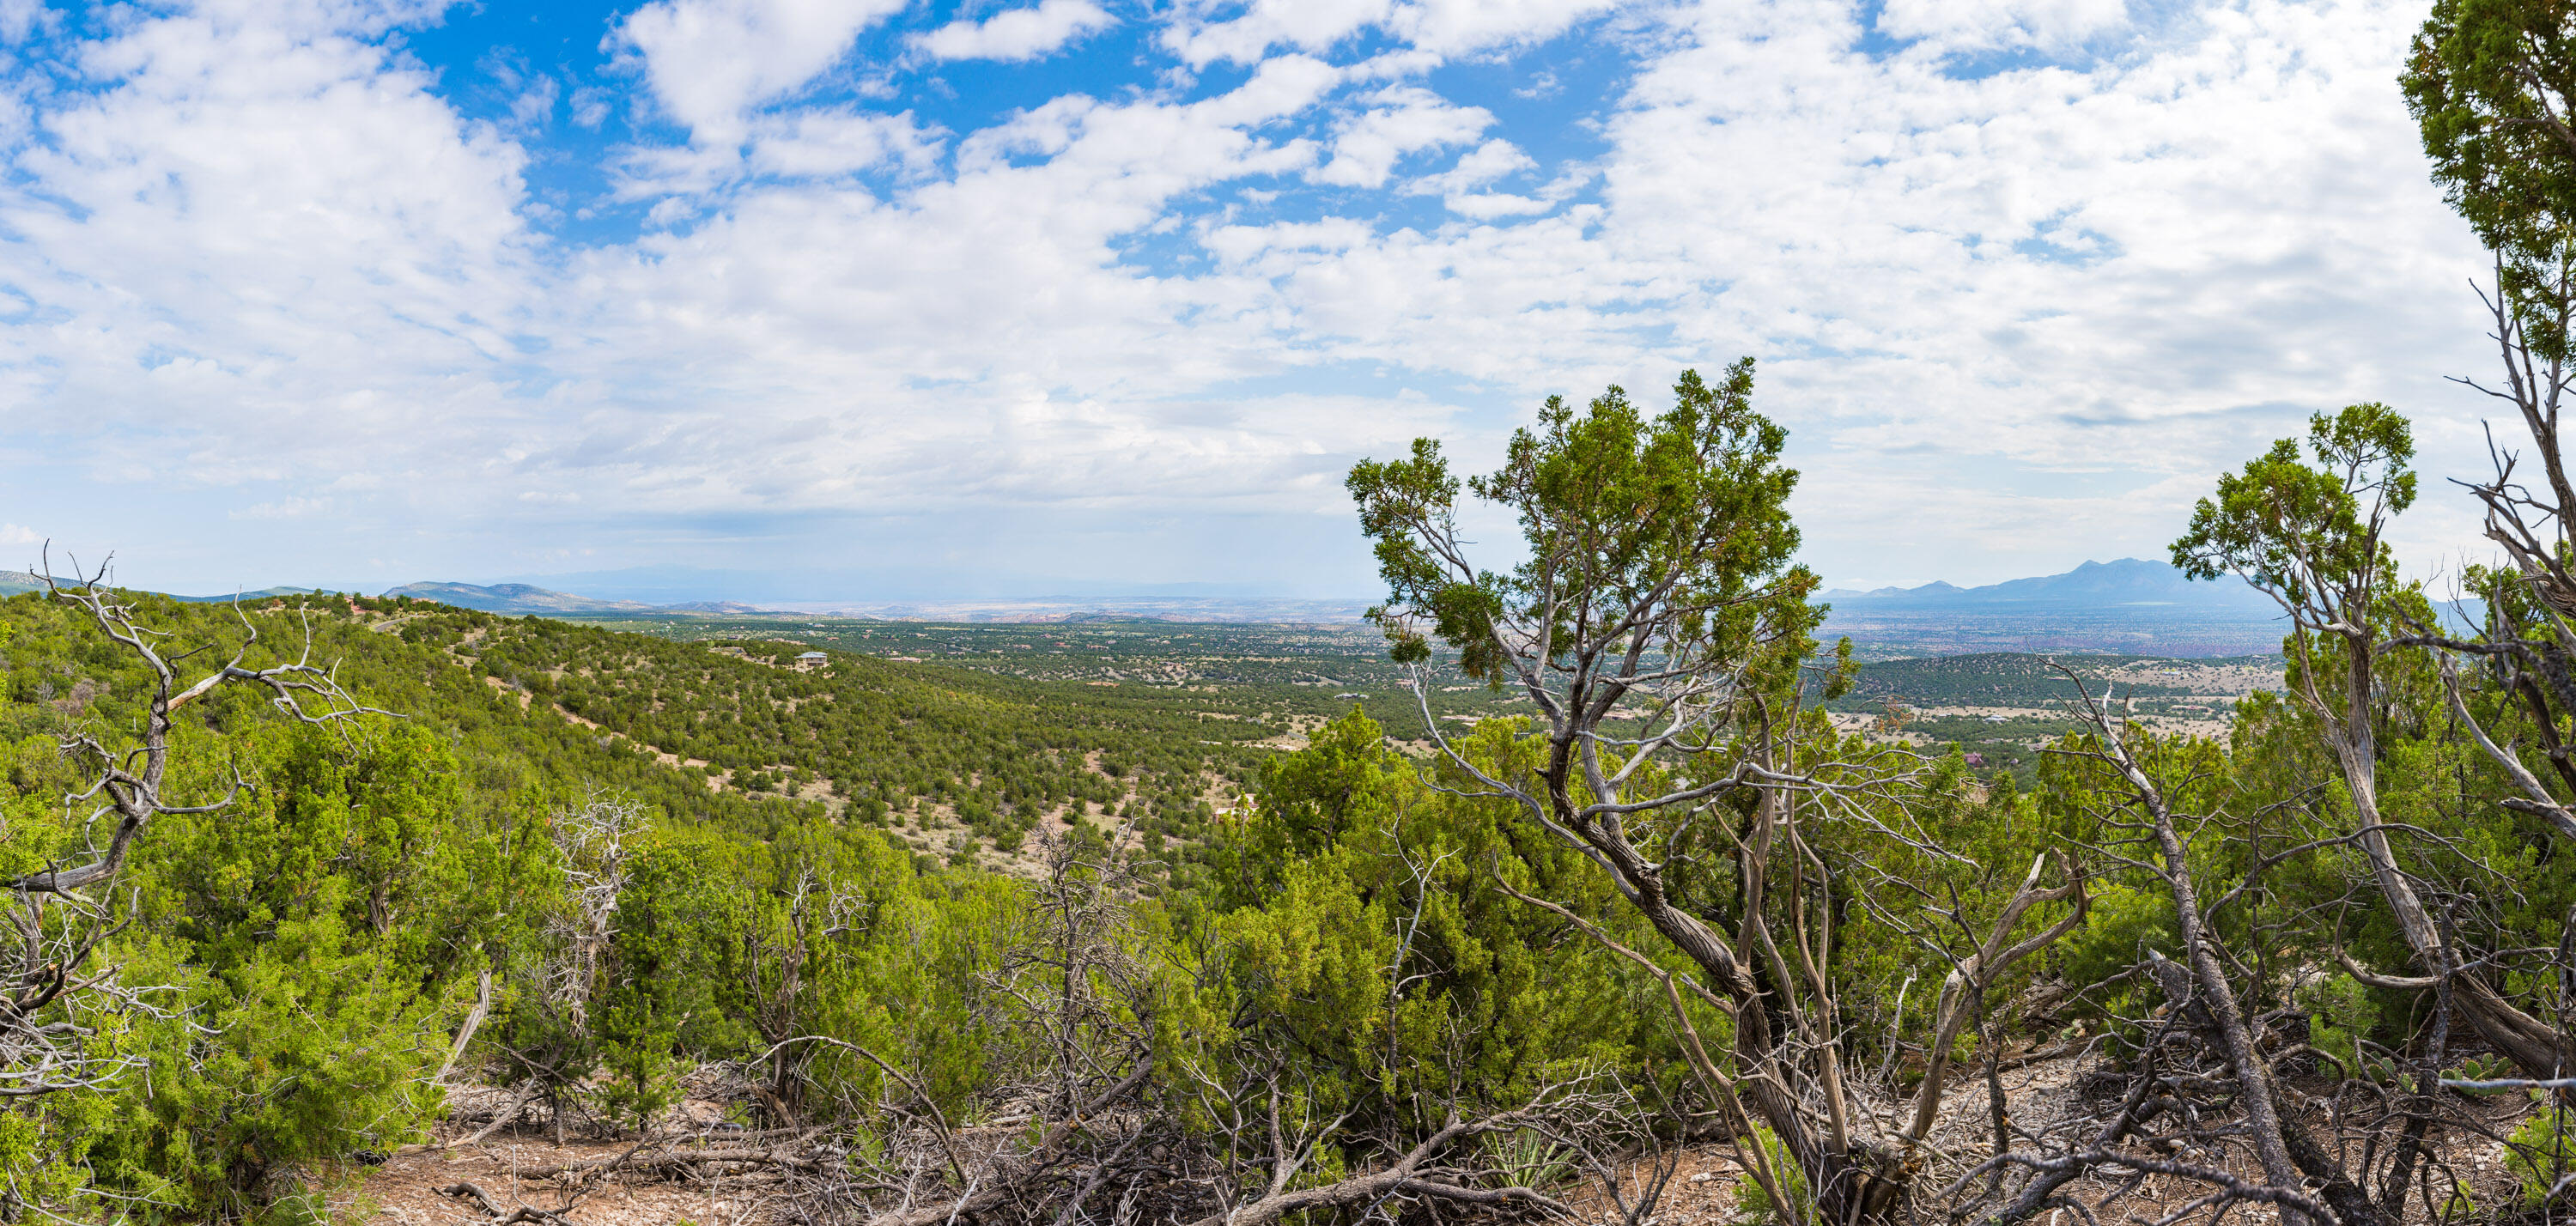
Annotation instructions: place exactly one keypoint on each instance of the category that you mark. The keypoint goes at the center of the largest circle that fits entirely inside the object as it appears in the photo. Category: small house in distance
(811, 660)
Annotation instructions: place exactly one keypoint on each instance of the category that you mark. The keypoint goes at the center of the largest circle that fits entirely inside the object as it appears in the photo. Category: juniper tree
(1661, 627)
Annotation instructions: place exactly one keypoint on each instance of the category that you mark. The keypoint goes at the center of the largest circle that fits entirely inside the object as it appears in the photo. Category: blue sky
(353, 294)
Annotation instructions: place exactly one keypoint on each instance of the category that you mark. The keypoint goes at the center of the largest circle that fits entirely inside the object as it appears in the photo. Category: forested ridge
(893, 741)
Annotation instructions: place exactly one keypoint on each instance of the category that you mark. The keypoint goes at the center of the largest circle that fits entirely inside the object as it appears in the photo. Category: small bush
(2542, 1151)
(2340, 1015)
(1753, 1201)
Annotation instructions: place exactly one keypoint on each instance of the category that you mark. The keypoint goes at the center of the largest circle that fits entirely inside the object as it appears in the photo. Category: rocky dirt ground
(1702, 1188)
(406, 1188)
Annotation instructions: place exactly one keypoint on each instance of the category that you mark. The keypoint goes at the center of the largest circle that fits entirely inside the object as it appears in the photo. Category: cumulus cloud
(1223, 31)
(285, 508)
(19, 18)
(250, 247)
(1016, 34)
(2015, 317)
(1400, 119)
(1466, 188)
(1974, 25)
(832, 142)
(710, 61)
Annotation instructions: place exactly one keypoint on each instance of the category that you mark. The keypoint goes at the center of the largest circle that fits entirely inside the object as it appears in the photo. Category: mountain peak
(2119, 581)
(513, 598)
(529, 598)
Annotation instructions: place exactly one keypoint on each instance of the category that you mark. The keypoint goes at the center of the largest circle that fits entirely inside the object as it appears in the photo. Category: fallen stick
(508, 1115)
(524, 1213)
(781, 1155)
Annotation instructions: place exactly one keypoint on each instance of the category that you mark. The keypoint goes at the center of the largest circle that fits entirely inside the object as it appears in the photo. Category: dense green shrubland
(303, 953)
(304, 956)
(1356, 940)
(869, 728)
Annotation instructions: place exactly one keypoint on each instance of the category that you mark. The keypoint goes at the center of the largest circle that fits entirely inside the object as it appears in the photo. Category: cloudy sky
(349, 293)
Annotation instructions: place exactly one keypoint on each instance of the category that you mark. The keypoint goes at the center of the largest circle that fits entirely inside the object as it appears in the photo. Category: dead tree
(65, 912)
(56, 986)
(1076, 982)
(1410, 1176)
(55, 992)
(549, 1052)
(1972, 975)
(2529, 647)
(1091, 1122)
(778, 968)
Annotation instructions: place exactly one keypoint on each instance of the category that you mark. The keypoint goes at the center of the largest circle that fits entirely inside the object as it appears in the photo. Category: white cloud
(1484, 164)
(1201, 36)
(285, 508)
(1464, 187)
(710, 61)
(1221, 31)
(2150, 266)
(1487, 206)
(1016, 34)
(536, 102)
(1401, 119)
(814, 144)
(2014, 320)
(268, 251)
(19, 18)
(1966, 25)
(589, 106)
(1455, 27)
(12, 534)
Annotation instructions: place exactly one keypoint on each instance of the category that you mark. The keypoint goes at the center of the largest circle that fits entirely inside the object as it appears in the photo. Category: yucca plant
(1529, 1159)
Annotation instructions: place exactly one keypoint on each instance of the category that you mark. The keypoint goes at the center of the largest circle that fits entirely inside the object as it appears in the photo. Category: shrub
(1754, 1201)
(2340, 1014)
(2543, 1151)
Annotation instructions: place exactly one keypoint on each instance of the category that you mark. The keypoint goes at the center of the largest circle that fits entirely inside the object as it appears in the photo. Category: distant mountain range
(2128, 581)
(831, 588)
(1186, 609)
(545, 602)
(13, 582)
(261, 594)
(2128, 605)
(526, 598)
(498, 598)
